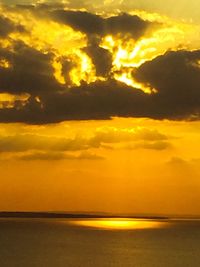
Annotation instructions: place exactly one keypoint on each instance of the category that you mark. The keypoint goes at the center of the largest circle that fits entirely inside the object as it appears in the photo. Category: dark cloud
(99, 100)
(176, 76)
(126, 24)
(7, 26)
(67, 65)
(80, 21)
(31, 71)
(94, 24)
(88, 22)
(101, 58)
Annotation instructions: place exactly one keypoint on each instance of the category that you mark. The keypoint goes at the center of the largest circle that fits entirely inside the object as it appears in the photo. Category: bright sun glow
(4, 63)
(118, 224)
(8, 100)
(129, 54)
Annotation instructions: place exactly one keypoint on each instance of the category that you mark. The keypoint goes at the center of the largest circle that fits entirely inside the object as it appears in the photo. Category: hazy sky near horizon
(100, 106)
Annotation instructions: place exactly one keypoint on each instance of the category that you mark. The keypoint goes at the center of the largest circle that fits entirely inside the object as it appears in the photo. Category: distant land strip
(21, 214)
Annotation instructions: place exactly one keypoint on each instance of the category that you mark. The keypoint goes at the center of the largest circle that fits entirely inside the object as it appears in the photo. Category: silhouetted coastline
(21, 214)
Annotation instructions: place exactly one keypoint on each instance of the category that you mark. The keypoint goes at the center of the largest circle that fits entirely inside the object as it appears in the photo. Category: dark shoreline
(88, 215)
(8, 214)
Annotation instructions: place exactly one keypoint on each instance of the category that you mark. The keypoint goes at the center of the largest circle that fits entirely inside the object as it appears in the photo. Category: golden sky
(99, 106)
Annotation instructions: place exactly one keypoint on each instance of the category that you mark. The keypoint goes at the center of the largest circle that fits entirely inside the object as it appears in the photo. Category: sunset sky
(100, 106)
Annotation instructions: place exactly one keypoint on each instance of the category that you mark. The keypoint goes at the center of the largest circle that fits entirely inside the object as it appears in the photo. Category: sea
(99, 243)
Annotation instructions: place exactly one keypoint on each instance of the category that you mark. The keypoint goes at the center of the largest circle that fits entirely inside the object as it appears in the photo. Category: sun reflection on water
(118, 224)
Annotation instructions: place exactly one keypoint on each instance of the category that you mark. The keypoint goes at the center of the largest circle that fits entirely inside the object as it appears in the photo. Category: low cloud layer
(54, 156)
(106, 136)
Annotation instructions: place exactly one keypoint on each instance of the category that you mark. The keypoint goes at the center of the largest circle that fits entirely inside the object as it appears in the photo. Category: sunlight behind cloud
(66, 44)
(129, 54)
(5, 63)
(9, 100)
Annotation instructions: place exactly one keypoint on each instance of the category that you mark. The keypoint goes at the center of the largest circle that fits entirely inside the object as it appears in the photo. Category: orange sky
(141, 166)
(68, 145)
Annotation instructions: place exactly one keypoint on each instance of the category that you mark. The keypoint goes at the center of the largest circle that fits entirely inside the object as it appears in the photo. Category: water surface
(99, 243)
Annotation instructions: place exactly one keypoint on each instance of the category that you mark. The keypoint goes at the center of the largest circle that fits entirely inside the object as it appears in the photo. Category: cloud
(55, 156)
(101, 58)
(80, 21)
(114, 136)
(126, 24)
(100, 138)
(7, 26)
(31, 70)
(99, 100)
(177, 161)
(26, 142)
(176, 77)
(93, 24)
(89, 156)
(43, 156)
(158, 145)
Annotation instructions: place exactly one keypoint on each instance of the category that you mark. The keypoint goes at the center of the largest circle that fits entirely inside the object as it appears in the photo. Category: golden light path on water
(118, 224)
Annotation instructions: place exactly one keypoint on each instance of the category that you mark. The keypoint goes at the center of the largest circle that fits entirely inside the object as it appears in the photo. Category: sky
(100, 106)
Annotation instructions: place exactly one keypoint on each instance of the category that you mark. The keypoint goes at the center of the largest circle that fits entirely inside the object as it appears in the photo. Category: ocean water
(98, 243)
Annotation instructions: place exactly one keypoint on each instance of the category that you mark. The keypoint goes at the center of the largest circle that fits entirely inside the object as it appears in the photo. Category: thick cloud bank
(175, 75)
